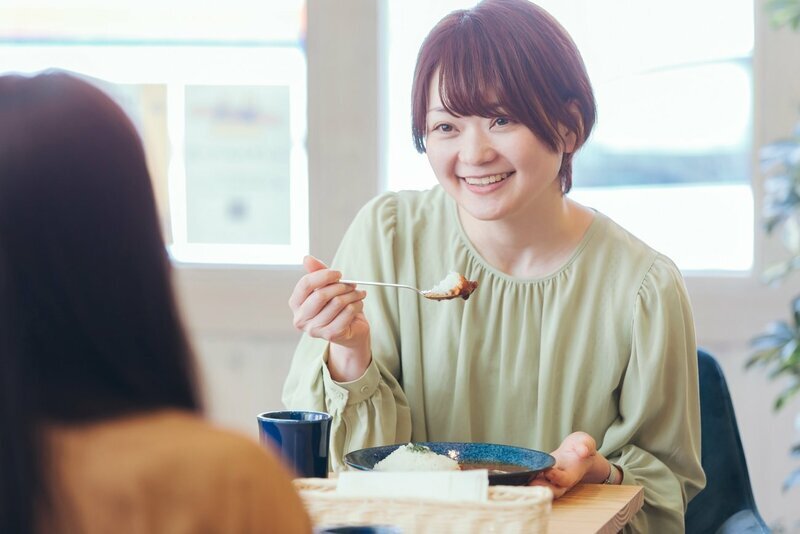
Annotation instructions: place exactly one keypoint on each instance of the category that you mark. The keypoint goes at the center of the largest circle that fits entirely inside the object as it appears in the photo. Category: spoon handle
(383, 284)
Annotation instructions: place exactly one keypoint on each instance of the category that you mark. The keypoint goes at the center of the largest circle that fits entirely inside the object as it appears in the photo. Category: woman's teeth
(486, 180)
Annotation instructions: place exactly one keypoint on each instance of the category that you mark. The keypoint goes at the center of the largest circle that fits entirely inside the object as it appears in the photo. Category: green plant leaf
(796, 312)
(791, 235)
(778, 347)
(762, 358)
(776, 329)
(769, 345)
(790, 350)
(768, 342)
(776, 272)
(784, 13)
(785, 395)
(792, 480)
(779, 370)
(776, 154)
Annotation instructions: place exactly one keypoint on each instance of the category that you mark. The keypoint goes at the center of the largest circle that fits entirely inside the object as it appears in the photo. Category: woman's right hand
(325, 309)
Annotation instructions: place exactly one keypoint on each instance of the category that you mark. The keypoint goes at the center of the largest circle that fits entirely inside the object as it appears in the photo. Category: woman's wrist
(346, 364)
(601, 470)
(614, 475)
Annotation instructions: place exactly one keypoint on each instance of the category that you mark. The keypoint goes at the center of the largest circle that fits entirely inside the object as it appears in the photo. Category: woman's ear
(569, 137)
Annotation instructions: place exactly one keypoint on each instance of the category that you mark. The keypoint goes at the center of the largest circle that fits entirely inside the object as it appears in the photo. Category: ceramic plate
(507, 465)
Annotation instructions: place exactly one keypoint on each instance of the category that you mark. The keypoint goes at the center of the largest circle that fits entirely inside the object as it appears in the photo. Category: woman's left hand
(576, 459)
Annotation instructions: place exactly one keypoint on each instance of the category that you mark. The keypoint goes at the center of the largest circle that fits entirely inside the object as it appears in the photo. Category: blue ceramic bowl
(528, 461)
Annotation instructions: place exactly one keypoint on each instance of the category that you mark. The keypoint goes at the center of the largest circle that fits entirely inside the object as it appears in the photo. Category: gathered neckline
(596, 223)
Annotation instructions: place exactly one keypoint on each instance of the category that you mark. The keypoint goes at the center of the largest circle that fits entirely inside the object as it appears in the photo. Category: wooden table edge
(579, 511)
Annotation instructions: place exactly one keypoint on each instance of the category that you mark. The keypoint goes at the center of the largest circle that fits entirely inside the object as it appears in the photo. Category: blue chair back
(726, 505)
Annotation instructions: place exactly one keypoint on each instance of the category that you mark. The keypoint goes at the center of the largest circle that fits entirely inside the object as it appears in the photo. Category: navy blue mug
(302, 439)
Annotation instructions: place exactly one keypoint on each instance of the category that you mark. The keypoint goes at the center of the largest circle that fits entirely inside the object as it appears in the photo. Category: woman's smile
(486, 183)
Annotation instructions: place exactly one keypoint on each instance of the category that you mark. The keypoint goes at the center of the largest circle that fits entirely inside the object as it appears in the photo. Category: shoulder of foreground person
(172, 471)
(250, 487)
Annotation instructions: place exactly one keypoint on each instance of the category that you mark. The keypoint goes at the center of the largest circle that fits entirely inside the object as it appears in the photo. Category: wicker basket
(510, 509)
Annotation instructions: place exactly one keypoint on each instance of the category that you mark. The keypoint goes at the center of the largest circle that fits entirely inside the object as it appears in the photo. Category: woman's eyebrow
(440, 109)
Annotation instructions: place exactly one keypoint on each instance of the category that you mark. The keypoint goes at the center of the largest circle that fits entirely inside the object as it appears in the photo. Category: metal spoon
(427, 293)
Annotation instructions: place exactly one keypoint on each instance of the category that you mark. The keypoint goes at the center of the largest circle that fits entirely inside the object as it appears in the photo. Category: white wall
(241, 326)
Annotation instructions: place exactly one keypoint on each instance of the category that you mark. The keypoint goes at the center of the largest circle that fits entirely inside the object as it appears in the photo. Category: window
(670, 155)
(219, 98)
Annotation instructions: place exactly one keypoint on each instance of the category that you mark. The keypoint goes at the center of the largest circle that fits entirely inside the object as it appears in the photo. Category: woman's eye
(445, 128)
(502, 121)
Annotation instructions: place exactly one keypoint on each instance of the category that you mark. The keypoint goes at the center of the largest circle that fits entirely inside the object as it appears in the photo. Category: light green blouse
(605, 345)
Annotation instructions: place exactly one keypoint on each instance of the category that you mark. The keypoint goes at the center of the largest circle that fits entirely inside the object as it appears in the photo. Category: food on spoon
(453, 285)
(413, 457)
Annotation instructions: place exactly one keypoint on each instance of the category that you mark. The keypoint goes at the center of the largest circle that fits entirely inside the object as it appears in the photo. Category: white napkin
(462, 486)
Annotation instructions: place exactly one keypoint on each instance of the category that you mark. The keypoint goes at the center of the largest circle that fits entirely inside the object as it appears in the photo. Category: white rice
(448, 283)
(415, 458)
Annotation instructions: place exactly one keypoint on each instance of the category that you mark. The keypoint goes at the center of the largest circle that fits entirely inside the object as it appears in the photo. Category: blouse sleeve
(371, 410)
(656, 439)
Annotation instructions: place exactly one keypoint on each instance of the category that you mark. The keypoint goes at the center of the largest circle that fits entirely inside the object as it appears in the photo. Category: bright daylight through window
(219, 98)
(670, 156)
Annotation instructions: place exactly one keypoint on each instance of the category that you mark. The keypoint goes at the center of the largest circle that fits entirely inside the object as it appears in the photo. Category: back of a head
(89, 279)
(89, 328)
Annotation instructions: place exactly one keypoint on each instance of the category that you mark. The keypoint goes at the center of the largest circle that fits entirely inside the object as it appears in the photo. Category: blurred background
(268, 123)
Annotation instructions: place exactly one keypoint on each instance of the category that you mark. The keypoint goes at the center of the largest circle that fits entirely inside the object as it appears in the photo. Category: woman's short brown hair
(509, 58)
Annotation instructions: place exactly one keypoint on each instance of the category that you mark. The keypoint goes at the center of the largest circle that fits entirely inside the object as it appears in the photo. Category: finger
(310, 283)
(307, 312)
(340, 328)
(559, 486)
(556, 454)
(558, 478)
(338, 303)
(586, 440)
(540, 479)
(311, 264)
(333, 296)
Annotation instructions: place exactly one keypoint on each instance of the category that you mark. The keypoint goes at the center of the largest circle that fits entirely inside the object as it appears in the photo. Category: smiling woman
(675, 127)
(526, 361)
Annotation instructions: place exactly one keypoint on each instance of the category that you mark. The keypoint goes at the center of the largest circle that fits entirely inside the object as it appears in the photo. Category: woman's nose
(476, 148)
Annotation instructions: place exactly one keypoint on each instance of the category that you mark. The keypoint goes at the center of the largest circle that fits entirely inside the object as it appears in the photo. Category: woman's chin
(482, 211)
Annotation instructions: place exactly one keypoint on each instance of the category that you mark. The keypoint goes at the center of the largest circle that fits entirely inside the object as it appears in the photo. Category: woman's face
(494, 168)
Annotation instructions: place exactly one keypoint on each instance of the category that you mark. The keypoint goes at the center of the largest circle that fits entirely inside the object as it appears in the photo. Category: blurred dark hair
(89, 328)
(508, 58)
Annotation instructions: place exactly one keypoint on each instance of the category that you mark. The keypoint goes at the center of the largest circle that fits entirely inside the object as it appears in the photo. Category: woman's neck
(533, 244)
